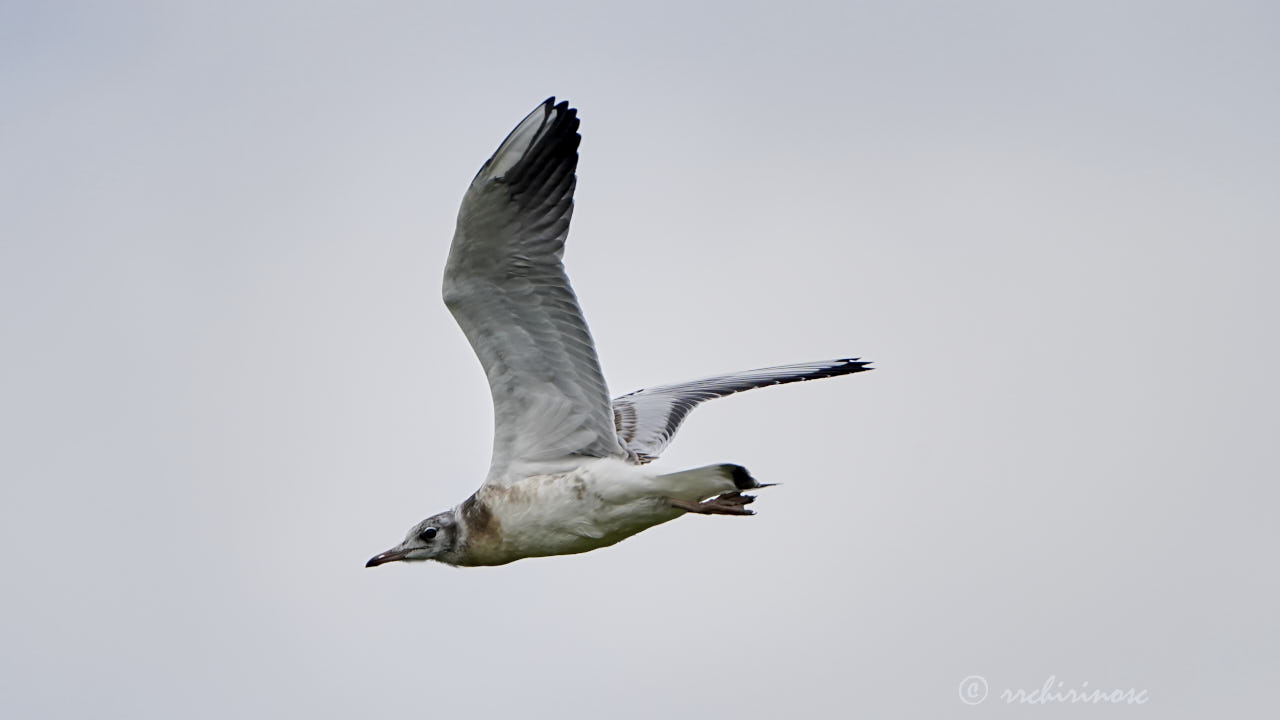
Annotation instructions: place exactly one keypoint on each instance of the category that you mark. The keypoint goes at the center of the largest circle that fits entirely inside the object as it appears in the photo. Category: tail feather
(742, 478)
(708, 481)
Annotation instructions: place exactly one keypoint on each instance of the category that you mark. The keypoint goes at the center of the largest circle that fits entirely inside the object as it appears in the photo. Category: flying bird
(569, 470)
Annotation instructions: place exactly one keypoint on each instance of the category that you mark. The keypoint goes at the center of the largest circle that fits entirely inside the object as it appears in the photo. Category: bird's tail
(704, 482)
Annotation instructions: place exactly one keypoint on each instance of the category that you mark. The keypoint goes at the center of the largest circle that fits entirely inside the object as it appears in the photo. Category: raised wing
(506, 286)
(646, 420)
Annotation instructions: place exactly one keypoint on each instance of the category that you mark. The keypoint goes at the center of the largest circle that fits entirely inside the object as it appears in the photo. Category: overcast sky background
(229, 378)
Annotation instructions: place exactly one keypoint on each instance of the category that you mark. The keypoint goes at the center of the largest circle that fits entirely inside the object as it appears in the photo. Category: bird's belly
(567, 514)
(581, 525)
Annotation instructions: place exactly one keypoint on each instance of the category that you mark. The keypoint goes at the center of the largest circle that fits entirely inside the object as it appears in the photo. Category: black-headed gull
(569, 471)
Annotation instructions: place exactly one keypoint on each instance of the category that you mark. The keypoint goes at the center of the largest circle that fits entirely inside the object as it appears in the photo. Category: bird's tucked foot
(727, 504)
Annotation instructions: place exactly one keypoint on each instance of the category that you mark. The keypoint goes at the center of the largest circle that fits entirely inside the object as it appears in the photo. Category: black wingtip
(550, 106)
(843, 366)
(545, 171)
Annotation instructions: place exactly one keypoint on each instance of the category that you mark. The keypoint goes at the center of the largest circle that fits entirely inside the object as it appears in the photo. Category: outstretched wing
(646, 420)
(506, 286)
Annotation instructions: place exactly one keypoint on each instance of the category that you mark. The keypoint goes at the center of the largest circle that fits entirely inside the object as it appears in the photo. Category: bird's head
(435, 538)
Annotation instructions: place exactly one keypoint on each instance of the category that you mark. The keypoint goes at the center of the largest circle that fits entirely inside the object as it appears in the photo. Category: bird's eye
(427, 534)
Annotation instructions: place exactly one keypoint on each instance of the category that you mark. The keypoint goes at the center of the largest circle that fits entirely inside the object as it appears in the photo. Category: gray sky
(229, 378)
